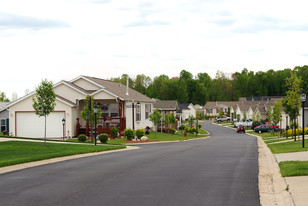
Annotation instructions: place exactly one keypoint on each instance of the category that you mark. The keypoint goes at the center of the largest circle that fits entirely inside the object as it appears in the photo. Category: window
(3, 125)
(138, 112)
(147, 111)
(111, 110)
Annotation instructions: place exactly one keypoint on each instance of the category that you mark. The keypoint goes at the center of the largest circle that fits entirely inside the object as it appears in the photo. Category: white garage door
(28, 124)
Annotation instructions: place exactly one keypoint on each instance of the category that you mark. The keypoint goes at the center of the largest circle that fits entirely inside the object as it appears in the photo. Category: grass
(285, 147)
(157, 136)
(16, 152)
(293, 168)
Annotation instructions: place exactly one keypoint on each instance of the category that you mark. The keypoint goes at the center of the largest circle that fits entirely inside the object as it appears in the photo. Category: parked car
(240, 128)
(263, 128)
(223, 119)
(247, 123)
(254, 125)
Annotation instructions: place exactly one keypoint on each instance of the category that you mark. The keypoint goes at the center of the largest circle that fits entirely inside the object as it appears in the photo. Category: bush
(114, 132)
(192, 130)
(103, 138)
(182, 127)
(82, 138)
(1, 134)
(199, 126)
(140, 133)
(129, 134)
(306, 130)
(172, 130)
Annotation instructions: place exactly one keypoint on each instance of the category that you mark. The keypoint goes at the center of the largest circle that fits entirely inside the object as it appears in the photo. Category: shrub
(114, 132)
(182, 127)
(103, 138)
(82, 138)
(140, 133)
(306, 130)
(192, 130)
(129, 134)
(199, 126)
(187, 129)
(1, 134)
(172, 130)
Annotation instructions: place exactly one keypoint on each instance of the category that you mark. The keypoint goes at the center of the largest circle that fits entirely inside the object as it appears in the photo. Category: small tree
(88, 112)
(44, 101)
(220, 113)
(270, 114)
(244, 116)
(172, 119)
(167, 120)
(155, 118)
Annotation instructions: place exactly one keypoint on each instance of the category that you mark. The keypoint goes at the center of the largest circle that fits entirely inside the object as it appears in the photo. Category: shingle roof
(120, 90)
(166, 104)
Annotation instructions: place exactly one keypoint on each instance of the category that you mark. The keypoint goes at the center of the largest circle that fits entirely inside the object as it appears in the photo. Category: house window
(138, 112)
(147, 111)
(111, 110)
(3, 125)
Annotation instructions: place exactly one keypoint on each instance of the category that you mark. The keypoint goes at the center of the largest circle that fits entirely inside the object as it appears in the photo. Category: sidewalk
(298, 186)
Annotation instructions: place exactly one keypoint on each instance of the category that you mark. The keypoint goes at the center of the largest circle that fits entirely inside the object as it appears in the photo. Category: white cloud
(62, 39)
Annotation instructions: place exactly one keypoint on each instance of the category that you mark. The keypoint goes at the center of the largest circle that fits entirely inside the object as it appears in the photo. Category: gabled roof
(118, 90)
(166, 105)
(3, 105)
(183, 106)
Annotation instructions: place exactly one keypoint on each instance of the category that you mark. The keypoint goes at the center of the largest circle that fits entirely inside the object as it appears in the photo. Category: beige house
(121, 107)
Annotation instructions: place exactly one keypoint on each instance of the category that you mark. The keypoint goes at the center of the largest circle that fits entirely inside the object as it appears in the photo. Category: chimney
(127, 87)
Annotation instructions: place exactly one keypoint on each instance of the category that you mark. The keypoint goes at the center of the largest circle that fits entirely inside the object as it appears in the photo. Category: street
(220, 170)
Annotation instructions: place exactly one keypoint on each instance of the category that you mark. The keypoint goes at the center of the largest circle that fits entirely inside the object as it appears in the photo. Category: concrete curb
(59, 159)
(272, 186)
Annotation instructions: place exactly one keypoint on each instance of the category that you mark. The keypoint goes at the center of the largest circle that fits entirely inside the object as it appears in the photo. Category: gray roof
(166, 105)
(120, 90)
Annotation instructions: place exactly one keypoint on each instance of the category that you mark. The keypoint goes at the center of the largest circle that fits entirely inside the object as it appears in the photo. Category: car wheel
(260, 132)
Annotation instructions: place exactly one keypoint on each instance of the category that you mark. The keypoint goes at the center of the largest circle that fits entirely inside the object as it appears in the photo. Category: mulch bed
(135, 142)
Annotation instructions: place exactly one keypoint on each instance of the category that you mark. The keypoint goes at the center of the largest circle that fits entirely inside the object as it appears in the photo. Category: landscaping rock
(144, 138)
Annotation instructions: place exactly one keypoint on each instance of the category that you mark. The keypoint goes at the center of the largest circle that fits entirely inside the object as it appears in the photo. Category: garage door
(28, 124)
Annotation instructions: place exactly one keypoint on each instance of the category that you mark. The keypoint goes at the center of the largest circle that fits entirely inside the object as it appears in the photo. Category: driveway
(221, 170)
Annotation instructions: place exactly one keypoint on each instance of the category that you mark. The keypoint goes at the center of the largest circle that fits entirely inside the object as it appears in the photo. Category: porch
(112, 115)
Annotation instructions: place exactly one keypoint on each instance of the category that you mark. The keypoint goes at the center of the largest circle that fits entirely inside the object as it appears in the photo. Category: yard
(16, 152)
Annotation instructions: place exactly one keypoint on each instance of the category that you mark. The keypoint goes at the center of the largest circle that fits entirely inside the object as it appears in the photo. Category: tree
(155, 118)
(270, 114)
(44, 101)
(277, 112)
(172, 119)
(14, 96)
(292, 100)
(88, 112)
(3, 97)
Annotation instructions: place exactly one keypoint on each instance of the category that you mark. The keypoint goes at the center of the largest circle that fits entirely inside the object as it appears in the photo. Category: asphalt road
(221, 170)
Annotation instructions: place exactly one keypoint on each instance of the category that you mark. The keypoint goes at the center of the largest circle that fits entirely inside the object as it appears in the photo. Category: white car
(247, 123)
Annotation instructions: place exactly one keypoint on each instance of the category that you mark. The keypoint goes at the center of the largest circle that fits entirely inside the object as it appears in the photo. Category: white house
(186, 111)
(121, 107)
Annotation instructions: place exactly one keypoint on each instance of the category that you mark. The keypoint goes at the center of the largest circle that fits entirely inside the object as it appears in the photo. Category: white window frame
(147, 111)
(2, 125)
(138, 112)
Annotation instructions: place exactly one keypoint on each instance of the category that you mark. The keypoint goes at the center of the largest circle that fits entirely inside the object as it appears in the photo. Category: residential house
(186, 111)
(165, 107)
(121, 107)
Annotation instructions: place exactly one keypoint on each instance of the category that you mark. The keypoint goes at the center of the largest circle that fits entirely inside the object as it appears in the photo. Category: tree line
(202, 88)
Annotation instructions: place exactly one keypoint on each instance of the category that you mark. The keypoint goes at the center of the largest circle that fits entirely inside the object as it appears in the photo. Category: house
(165, 107)
(120, 106)
(4, 117)
(186, 111)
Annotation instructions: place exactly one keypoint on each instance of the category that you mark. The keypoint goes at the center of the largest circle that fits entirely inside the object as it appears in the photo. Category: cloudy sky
(62, 39)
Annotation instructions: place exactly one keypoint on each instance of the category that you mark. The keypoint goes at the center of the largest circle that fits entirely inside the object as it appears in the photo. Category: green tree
(277, 112)
(292, 100)
(44, 101)
(155, 118)
(88, 112)
(3, 97)
(172, 119)
(270, 114)
(141, 83)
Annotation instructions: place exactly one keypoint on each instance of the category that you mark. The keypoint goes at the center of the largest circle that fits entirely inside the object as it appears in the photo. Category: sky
(63, 39)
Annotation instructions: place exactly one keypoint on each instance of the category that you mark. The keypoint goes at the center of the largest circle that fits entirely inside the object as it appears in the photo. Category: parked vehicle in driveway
(263, 128)
(247, 123)
(223, 119)
(240, 128)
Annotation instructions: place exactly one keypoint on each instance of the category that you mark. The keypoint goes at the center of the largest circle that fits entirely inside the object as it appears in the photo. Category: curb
(59, 159)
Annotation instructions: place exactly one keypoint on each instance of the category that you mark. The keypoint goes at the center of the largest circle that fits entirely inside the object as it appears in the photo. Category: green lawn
(286, 147)
(293, 168)
(16, 152)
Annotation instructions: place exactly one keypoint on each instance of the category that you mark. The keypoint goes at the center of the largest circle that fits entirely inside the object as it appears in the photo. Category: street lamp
(95, 113)
(303, 99)
(63, 123)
